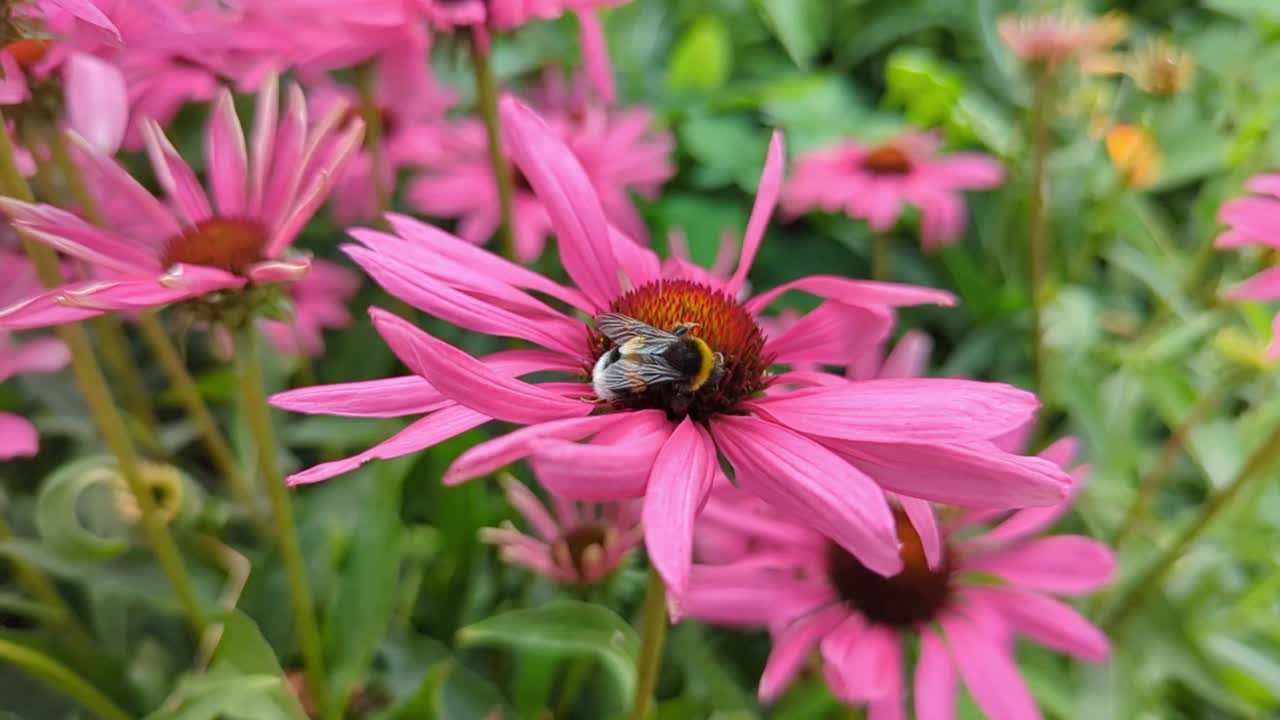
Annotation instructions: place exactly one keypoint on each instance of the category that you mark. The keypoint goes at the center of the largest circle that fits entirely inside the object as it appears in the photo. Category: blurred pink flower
(18, 281)
(151, 254)
(1254, 220)
(502, 15)
(621, 151)
(60, 11)
(912, 435)
(812, 594)
(582, 543)
(1053, 37)
(319, 303)
(874, 182)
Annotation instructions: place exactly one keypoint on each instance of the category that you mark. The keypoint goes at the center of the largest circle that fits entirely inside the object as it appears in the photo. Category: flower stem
(254, 400)
(1038, 229)
(574, 678)
(653, 632)
(487, 98)
(1261, 459)
(102, 408)
(193, 402)
(879, 256)
(366, 82)
(61, 677)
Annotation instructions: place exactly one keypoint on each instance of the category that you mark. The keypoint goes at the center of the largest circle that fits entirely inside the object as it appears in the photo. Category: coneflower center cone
(578, 542)
(721, 322)
(28, 52)
(911, 597)
(231, 244)
(887, 159)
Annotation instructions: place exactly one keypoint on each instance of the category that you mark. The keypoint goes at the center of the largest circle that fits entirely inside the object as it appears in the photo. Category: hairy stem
(1038, 228)
(880, 256)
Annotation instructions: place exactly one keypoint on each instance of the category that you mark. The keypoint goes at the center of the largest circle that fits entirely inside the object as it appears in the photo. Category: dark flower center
(907, 599)
(231, 244)
(578, 540)
(888, 159)
(28, 52)
(720, 321)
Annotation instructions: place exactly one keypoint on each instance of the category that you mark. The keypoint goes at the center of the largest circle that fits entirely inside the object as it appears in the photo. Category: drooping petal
(384, 398)
(749, 601)
(791, 648)
(907, 410)
(1065, 564)
(935, 680)
(1029, 521)
(1263, 286)
(595, 55)
(506, 449)
(97, 101)
(908, 357)
(67, 233)
(761, 210)
(599, 471)
(1050, 622)
(41, 355)
(854, 292)
(988, 671)
(530, 507)
(18, 437)
(891, 704)
(468, 381)
(679, 482)
(870, 662)
(561, 184)
(832, 334)
(812, 486)
(423, 433)
(227, 157)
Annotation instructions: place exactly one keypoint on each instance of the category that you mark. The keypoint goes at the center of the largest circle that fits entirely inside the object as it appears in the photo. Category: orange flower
(1135, 155)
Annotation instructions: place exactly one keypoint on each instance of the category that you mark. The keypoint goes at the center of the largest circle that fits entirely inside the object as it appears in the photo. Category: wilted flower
(963, 594)
(1252, 220)
(18, 281)
(1135, 155)
(1158, 67)
(580, 543)
(1053, 37)
(816, 453)
(151, 254)
(875, 182)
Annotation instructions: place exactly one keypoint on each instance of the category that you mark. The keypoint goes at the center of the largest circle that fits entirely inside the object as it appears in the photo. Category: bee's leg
(717, 372)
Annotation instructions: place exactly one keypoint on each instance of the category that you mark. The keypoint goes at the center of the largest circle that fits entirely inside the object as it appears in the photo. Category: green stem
(574, 678)
(366, 80)
(487, 98)
(880, 256)
(206, 425)
(653, 633)
(254, 400)
(1152, 578)
(1038, 229)
(62, 678)
(102, 408)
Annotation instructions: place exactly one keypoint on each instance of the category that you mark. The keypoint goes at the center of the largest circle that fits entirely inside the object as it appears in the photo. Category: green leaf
(922, 86)
(224, 694)
(800, 25)
(242, 649)
(1247, 9)
(566, 628)
(701, 59)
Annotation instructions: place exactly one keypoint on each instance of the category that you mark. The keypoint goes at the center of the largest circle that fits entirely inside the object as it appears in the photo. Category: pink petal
(595, 55)
(531, 508)
(891, 704)
(761, 210)
(279, 271)
(43, 310)
(965, 170)
(311, 197)
(869, 663)
(678, 486)
(13, 82)
(830, 335)
(1030, 521)
(563, 187)
(133, 212)
(749, 601)
(599, 471)
(175, 175)
(942, 218)
(639, 263)
(1266, 183)
(18, 438)
(97, 101)
(468, 381)
(1050, 622)
(1064, 564)
(227, 157)
(506, 449)
(1251, 216)
(283, 169)
(265, 115)
(868, 293)
(968, 474)
(922, 410)
(389, 397)
(988, 671)
(41, 355)
(791, 649)
(920, 513)
(85, 10)
(1263, 286)
(423, 433)
(67, 233)
(935, 680)
(810, 484)
(1273, 350)
(908, 357)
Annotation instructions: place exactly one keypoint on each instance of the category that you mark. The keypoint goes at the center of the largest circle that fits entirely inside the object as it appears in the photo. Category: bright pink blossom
(812, 595)
(620, 150)
(820, 453)
(502, 15)
(875, 183)
(151, 254)
(576, 543)
(18, 280)
(1255, 220)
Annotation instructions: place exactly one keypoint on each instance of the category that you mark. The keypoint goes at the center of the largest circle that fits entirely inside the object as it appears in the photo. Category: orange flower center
(888, 159)
(231, 244)
(578, 541)
(720, 321)
(911, 597)
(28, 52)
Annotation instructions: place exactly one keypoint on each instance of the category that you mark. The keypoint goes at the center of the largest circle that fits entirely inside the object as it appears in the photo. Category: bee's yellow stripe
(708, 364)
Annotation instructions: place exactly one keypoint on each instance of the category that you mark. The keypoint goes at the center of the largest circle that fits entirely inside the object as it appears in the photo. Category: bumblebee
(652, 367)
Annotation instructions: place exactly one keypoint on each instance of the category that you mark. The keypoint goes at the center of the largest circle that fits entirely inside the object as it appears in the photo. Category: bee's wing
(619, 328)
(630, 374)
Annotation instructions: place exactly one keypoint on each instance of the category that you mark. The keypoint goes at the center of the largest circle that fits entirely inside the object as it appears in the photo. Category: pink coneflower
(1049, 38)
(875, 182)
(909, 435)
(812, 594)
(319, 302)
(502, 15)
(1254, 220)
(578, 543)
(620, 150)
(18, 436)
(152, 254)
